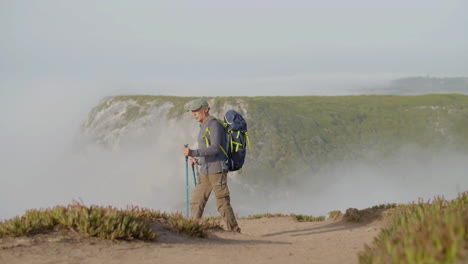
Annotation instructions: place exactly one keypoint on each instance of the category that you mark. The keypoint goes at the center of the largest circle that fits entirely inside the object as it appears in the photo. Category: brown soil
(265, 240)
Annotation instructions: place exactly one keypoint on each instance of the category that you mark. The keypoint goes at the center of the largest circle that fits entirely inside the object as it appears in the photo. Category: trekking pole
(186, 186)
(194, 175)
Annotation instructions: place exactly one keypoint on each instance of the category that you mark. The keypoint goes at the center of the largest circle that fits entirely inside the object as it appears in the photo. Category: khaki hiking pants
(217, 183)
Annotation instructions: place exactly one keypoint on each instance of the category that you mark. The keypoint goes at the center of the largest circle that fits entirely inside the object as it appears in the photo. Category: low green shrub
(103, 222)
(426, 232)
(300, 218)
(266, 215)
(334, 214)
(192, 227)
(308, 218)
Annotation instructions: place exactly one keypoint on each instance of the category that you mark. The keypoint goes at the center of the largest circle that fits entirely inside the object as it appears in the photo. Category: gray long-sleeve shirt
(213, 156)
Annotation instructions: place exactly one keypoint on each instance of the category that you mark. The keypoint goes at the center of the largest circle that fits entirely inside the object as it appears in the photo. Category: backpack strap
(247, 140)
(207, 139)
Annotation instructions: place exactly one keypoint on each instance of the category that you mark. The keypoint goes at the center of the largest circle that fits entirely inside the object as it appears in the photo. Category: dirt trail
(265, 240)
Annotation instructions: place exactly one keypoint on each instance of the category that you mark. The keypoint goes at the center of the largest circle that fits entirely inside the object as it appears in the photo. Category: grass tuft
(266, 215)
(385, 206)
(309, 218)
(192, 227)
(103, 222)
(334, 214)
(426, 232)
(299, 218)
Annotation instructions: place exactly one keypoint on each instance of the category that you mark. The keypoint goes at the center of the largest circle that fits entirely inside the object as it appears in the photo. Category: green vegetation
(104, 222)
(334, 214)
(427, 232)
(313, 132)
(266, 215)
(384, 206)
(423, 85)
(308, 218)
(191, 227)
(299, 218)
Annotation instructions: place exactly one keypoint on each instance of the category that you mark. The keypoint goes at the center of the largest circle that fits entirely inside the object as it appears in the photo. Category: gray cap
(195, 104)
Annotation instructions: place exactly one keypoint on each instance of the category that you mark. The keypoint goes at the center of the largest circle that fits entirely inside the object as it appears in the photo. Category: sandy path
(266, 240)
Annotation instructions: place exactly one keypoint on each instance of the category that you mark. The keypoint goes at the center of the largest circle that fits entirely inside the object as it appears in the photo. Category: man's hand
(187, 152)
(192, 161)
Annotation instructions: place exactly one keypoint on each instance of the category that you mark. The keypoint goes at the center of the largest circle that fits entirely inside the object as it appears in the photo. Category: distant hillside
(422, 85)
(308, 132)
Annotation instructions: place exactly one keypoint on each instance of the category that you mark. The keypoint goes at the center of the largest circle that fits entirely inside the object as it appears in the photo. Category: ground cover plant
(104, 222)
(425, 232)
(297, 217)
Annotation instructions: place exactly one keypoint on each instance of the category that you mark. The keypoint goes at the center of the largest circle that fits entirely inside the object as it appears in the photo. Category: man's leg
(223, 200)
(200, 196)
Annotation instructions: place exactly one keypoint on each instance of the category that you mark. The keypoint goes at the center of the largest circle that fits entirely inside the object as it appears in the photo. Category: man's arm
(216, 135)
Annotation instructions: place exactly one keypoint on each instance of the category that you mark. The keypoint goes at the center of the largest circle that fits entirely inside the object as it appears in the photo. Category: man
(213, 175)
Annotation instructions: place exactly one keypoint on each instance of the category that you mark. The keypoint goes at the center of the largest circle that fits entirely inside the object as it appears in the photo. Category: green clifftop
(310, 132)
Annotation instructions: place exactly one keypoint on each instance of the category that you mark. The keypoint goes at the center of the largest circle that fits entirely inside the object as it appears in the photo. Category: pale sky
(250, 47)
